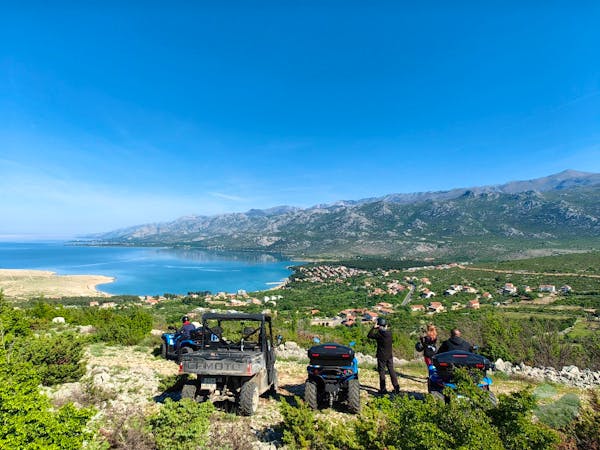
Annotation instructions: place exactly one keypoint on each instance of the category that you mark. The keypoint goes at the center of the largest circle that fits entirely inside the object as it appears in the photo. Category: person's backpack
(419, 346)
(429, 350)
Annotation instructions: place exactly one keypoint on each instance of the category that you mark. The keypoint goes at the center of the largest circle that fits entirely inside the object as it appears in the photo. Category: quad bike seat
(331, 355)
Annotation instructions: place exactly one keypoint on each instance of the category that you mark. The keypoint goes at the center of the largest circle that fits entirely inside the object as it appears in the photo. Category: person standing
(385, 358)
(456, 342)
(429, 342)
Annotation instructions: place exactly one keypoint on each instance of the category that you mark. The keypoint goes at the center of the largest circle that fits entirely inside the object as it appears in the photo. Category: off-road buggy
(441, 372)
(235, 361)
(332, 377)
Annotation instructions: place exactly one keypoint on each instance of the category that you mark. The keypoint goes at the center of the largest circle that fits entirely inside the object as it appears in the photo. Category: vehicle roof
(236, 316)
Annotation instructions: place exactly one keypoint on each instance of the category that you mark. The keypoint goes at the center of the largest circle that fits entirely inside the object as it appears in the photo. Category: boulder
(58, 320)
(291, 345)
(85, 329)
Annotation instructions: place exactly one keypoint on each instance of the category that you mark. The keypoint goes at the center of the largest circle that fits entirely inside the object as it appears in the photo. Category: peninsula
(18, 283)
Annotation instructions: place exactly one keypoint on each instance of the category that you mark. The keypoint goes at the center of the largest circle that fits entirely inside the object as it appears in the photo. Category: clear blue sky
(133, 112)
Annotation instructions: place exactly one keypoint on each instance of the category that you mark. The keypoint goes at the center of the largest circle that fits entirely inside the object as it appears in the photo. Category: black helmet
(185, 319)
(381, 322)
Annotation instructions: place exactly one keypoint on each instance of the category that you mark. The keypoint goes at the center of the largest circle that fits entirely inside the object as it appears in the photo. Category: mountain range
(557, 212)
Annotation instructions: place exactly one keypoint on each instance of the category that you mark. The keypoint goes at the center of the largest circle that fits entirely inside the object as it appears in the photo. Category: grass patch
(97, 349)
(545, 391)
(560, 413)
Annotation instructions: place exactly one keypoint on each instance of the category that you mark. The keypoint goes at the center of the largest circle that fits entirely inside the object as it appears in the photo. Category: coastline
(26, 283)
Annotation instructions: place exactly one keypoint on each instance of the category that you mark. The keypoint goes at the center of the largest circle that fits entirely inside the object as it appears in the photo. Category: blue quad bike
(442, 369)
(332, 377)
(174, 344)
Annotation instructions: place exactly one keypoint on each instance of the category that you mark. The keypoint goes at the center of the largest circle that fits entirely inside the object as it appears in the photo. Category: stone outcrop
(569, 375)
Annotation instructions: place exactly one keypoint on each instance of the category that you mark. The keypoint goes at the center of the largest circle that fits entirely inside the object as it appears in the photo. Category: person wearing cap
(385, 358)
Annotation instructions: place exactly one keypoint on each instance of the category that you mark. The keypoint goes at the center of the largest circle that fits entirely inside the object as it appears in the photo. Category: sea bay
(151, 270)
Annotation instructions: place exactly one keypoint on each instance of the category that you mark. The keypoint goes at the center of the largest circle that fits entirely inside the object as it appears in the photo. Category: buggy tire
(274, 384)
(311, 396)
(163, 350)
(190, 389)
(354, 396)
(248, 398)
(184, 351)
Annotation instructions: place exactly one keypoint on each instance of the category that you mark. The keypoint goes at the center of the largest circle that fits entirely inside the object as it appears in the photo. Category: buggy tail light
(181, 368)
(479, 366)
(316, 355)
(443, 364)
(345, 355)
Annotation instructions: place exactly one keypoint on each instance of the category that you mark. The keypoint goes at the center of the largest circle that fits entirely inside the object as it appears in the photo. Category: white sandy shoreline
(26, 283)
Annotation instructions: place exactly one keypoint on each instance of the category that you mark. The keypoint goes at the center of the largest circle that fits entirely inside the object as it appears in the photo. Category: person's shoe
(397, 390)
(383, 392)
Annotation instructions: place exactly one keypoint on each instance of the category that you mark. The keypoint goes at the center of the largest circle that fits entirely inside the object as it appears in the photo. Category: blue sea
(151, 270)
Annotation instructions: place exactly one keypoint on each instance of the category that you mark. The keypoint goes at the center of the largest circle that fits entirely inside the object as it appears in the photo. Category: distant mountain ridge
(478, 222)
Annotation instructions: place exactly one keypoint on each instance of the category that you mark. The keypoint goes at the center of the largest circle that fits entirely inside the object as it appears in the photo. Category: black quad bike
(441, 372)
(332, 377)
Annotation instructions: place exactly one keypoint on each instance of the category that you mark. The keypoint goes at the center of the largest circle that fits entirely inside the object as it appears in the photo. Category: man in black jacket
(455, 343)
(385, 358)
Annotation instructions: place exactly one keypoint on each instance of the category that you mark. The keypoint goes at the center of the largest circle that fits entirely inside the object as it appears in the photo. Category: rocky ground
(120, 380)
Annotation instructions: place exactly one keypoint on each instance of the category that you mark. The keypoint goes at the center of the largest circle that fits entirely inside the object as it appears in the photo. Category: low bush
(116, 327)
(27, 420)
(57, 358)
(408, 423)
(585, 430)
(181, 425)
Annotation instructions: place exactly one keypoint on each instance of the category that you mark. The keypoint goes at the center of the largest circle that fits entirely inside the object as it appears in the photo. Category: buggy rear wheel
(163, 350)
(274, 384)
(248, 398)
(311, 394)
(190, 389)
(354, 396)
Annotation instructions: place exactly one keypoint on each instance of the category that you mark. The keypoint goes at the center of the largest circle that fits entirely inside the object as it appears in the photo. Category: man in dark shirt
(187, 327)
(455, 343)
(385, 358)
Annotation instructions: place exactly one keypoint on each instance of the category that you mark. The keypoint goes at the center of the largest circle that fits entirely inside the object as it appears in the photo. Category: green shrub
(514, 419)
(301, 429)
(181, 425)
(26, 418)
(56, 358)
(471, 422)
(585, 428)
(121, 327)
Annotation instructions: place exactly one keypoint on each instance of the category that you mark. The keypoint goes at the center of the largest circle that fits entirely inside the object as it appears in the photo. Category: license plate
(209, 384)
